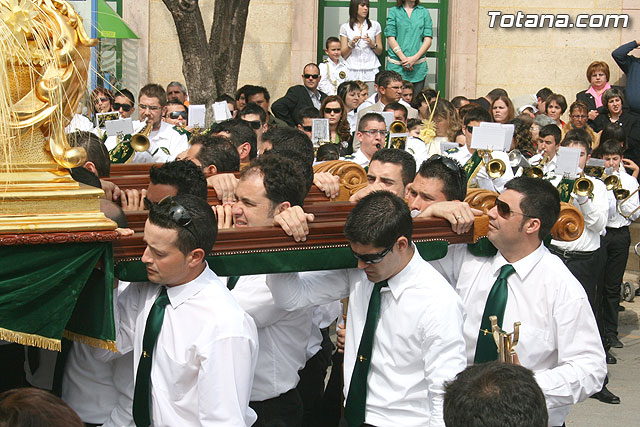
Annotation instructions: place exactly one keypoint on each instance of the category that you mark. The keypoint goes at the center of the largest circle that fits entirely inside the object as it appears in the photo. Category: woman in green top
(409, 35)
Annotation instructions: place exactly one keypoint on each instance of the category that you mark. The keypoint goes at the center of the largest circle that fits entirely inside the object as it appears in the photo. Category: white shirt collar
(181, 293)
(523, 266)
(406, 277)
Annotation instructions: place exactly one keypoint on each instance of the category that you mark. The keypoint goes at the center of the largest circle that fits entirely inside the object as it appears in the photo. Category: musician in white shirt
(333, 70)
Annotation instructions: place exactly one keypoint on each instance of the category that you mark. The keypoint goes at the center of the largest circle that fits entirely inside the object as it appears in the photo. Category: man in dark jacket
(300, 96)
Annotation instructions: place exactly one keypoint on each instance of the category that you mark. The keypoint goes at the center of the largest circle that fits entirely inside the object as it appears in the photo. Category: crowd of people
(418, 346)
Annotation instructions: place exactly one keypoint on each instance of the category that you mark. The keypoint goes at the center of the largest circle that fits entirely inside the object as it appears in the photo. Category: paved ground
(624, 379)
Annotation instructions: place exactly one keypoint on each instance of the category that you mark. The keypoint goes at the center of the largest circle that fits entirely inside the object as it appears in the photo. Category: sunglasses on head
(176, 212)
(124, 107)
(504, 210)
(372, 258)
(311, 76)
(177, 114)
(333, 110)
(255, 124)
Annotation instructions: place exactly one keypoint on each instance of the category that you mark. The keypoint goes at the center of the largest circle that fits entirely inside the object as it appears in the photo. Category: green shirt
(409, 33)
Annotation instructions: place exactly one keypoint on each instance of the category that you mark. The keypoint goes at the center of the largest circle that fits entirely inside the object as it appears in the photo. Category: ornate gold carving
(352, 176)
(570, 224)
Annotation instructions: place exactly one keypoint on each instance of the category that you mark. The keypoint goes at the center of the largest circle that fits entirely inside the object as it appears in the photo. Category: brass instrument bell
(583, 187)
(495, 167)
(140, 141)
(398, 142)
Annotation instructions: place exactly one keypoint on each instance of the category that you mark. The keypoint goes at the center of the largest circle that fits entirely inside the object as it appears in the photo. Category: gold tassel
(93, 342)
(30, 339)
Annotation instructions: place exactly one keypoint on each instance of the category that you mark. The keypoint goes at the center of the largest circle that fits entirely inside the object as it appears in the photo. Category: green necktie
(486, 349)
(232, 281)
(354, 410)
(142, 392)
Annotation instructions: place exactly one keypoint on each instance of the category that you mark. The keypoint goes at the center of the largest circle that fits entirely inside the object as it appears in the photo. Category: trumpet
(398, 142)
(623, 200)
(495, 167)
(583, 187)
(538, 170)
(140, 141)
(611, 181)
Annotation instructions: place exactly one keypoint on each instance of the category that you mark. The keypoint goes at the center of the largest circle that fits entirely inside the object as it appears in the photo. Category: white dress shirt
(630, 184)
(283, 337)
(418, 342)
(363, 61)
(330, 75)
(595, 213)
(358, 157)
(164, 145)
(559, 339)
(79, 123)
(205, 355)
(323, 316)
(462, 154)
(418, 149)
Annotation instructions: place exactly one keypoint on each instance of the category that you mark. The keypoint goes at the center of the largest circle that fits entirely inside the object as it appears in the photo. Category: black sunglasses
(176, 212)
(307, 128)
(333, 110)
(124, 107)
(372, 258)
(255, 124)
(469, 129)
(177, 114)
(312, 76)
(504, 210)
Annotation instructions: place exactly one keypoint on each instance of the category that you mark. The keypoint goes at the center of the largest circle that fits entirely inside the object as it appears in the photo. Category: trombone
(623, 192)
(495, 167)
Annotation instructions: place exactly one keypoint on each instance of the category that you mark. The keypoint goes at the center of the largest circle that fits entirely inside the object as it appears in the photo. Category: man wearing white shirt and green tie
(404, 327)
(194, 348)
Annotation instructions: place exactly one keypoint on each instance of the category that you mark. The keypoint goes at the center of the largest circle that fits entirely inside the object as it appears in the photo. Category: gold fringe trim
(30, 339)
(93, 342)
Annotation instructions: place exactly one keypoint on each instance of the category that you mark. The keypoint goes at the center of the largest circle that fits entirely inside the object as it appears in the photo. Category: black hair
(182, 174)
(614, 131)
(540, 199)
(241, 91)
(331, 39)
(559, 99)
(494, 394)
(253, 108)
(307, 113)
(97, 153)
(411, 123)
(311, 64)
(378, 219)
(240, 132)
(304, 167)
(353, 12)
(577, 136)
(255, 90)
(477, 114)
(398, 157)
(328, 152)
(496, 93)
(551, 130)
(544, 93)
(369, 117)
(175, 102)
(282, 179)
(217, 151)
(287, 138)
(395, 106)
(450, 172)
(609, 147)
(457, 100)
(225, 98)
(126, 93)
(200, 233)
(386, 76)
(345, 87)
(85, 176)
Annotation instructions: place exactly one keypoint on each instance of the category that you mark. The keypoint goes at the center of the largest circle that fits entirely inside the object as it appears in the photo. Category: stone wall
(523, 60)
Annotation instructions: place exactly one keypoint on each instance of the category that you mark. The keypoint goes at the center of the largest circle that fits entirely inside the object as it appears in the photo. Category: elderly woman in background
(333, 108)
(502, 110)
(409, 34)
(361, 42)
(555, 106)
(598, 76)
(349, 92)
